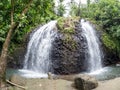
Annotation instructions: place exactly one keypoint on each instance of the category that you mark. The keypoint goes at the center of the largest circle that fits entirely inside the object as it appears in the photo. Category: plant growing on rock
(67, 26)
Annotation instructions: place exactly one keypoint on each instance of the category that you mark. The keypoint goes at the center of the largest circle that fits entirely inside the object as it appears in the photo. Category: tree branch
(12, 11)
(26, 9)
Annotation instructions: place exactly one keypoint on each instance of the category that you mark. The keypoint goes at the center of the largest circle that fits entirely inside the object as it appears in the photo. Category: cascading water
(37, 58)
(94, 53)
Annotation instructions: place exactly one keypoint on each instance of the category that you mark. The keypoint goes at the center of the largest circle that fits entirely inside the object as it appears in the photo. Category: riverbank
(113, 84)
(64, 83)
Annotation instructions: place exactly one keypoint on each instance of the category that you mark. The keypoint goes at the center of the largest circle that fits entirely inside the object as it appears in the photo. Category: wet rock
(110, 56)
(85, 83)
(16, 59)
(68, 53)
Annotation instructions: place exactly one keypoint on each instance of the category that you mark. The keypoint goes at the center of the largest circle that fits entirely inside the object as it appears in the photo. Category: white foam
(98, 71)
(32, 74)
(94, 53)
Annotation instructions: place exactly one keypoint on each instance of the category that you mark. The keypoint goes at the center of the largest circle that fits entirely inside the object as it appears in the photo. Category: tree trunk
(79, 12)
(4, 55)
(6, 44)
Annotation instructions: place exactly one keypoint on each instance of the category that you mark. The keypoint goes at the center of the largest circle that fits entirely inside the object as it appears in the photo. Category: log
(14, 84)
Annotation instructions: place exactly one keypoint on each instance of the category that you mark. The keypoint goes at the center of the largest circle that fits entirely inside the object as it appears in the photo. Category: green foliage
(60, 9)
(88, 2)
(111, 43)
(4, 20)
(41, 11)
(75, 8)
(107, 14)
(66, 25)
(107, 40)
(69, 42)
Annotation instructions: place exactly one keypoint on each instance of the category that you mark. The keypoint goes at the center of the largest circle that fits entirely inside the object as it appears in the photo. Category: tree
(40, 12)
(107, 14)
(75, 8)
(79, 8)
(19, 23)
(6, 44)
(88, 3)
(60, 8)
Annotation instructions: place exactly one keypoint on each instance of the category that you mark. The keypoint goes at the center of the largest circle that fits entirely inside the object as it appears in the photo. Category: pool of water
(24, 73)
(105, 73)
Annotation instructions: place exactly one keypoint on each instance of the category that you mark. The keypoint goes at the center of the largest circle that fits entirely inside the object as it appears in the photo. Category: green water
(10, 72)
(106, 74)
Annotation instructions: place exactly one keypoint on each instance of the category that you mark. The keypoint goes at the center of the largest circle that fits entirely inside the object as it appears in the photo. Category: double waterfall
(38, 59)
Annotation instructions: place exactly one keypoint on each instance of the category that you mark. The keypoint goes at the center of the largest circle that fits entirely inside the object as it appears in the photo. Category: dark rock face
(17, 58)
(68, 56)
(110, 57)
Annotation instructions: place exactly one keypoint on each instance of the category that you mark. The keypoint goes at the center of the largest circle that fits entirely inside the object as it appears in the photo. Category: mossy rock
(67, 25)
(69, 40)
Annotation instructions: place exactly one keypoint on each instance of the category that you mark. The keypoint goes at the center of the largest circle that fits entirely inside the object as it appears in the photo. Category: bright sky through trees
(66, 4)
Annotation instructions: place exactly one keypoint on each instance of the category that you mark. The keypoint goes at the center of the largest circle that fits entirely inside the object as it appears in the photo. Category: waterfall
(94, 53)
(38, 62)
(37, 58)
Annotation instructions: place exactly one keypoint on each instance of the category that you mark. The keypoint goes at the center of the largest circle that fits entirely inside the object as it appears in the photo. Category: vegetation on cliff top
(67, 25)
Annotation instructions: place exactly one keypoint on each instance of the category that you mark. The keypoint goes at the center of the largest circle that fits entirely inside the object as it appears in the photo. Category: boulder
(85, 82)
(68, 52)
(81, 81)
